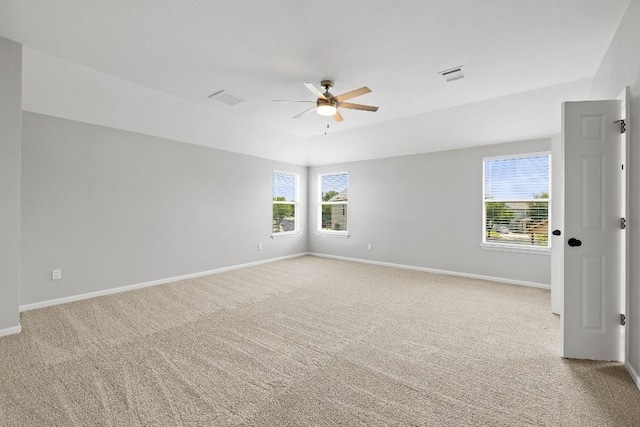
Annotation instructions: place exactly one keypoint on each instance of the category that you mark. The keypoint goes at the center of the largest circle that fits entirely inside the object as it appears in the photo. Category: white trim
(625, 103)
(285, 234)
(436, 271)
(518, 155)
(535, 250)
(11, 331)
(634, 375)
(110, 291)
(334, 173)
(338, 234)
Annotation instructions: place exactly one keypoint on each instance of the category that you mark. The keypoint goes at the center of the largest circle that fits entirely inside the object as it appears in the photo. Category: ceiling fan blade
(288, 100)
(337, 116)
(352, 94)
(314, 90)
(304, 112)
(357, 106)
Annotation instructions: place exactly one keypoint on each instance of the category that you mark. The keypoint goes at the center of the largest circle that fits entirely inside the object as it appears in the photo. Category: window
(516, 201)
(285, 202)
(333, 203)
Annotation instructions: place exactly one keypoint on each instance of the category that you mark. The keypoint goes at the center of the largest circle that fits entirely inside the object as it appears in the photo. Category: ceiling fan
(328, 104)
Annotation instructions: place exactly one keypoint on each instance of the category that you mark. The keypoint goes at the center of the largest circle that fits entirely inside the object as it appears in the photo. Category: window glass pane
(517, 200)
(516, 178)
(518, 223)
(334, 217)
(335, 187)
(284, 217)
(284, 192)
(284, 186)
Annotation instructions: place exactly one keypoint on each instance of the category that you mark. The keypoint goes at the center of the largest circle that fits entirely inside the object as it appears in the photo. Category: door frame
(625, 101)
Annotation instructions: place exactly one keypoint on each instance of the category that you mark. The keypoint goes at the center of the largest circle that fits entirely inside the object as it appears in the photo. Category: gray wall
(424, 210)
(619, 68)
(114, 208)
(10, 139)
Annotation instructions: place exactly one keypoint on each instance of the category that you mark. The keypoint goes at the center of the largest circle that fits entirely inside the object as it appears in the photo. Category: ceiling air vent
(452, 74)
(227, 97)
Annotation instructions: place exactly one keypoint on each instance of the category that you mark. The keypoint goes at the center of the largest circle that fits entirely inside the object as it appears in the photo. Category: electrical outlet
(369, 246)
(56, 274)
(259, 246)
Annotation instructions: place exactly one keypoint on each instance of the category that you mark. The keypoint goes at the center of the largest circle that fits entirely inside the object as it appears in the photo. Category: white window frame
(332, 233)
(296, 204)
(506, 247)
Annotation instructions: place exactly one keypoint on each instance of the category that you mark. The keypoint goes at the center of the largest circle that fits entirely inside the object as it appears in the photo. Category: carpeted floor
(307, 341)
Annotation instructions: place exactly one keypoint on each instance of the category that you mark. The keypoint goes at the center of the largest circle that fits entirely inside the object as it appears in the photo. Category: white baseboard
(433, 270)
(110, 291)
(634, 374)
(10, 331)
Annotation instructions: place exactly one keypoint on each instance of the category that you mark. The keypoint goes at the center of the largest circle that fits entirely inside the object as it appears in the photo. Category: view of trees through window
(334, 201)
(516, 200)
(284, 191)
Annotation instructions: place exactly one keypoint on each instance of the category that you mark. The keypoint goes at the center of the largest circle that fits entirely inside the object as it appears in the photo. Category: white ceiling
(263, 50)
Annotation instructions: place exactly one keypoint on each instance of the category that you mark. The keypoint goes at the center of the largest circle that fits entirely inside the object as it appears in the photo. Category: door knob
(574, 242)
(556, 232)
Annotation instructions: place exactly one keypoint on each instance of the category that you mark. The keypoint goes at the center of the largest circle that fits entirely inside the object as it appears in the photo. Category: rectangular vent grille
(227, 97)
(452, 74)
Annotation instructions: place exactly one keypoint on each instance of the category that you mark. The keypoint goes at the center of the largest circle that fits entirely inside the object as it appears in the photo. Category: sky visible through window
(337, 183)
(284, 185)
(516, 178)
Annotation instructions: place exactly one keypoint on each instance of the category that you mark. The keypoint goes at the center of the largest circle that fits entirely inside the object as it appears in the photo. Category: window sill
(285, 234)
(338, 234)
(515, 248)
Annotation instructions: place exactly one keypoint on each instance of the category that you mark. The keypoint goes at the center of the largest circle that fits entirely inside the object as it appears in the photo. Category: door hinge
(623, 129)
(623, 319)
(623, 223)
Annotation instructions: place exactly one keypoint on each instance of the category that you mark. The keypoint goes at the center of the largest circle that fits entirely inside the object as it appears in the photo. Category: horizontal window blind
(284, 186)
(516, 178)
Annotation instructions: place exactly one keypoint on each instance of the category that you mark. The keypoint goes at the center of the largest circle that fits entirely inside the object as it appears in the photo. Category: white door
(592, 236)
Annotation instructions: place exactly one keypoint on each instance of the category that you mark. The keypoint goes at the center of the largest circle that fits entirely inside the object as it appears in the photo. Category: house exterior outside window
(516, 198)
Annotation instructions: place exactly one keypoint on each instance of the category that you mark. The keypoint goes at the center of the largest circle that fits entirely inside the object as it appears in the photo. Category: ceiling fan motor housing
(329, 101)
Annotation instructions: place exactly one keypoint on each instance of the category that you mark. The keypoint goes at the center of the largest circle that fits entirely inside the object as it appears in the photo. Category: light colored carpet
(307, 341)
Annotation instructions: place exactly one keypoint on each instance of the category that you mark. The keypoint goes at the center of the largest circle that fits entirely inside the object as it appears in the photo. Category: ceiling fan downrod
(327, 84)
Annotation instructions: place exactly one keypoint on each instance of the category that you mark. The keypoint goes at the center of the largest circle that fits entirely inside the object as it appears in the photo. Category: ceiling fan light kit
(326, 108)
(327, 105)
